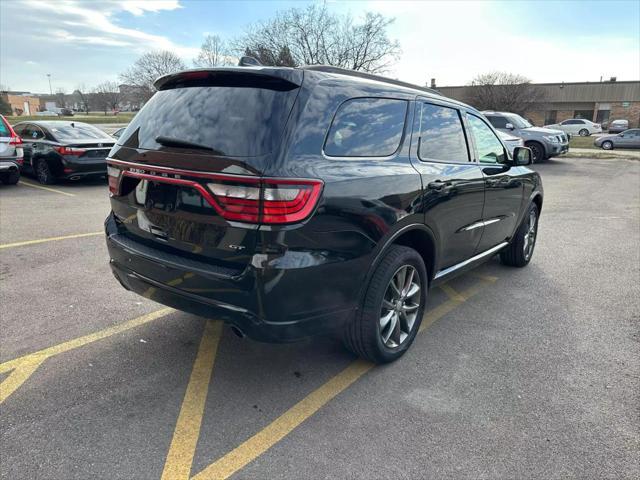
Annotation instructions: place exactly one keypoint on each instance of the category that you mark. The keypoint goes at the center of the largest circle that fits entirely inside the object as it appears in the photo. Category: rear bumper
(10, 164)
(73, 169)
(271, 304)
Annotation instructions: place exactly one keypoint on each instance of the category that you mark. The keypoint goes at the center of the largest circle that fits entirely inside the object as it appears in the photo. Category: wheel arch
(417, 236)
(540, 144)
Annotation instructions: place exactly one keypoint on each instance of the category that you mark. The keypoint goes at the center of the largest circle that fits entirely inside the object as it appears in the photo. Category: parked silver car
(618, 126)
(11, 153)
(627, 139)
(543, 142)
(510, 141)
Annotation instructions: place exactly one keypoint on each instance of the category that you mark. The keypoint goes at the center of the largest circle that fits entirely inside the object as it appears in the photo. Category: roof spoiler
(277, 78)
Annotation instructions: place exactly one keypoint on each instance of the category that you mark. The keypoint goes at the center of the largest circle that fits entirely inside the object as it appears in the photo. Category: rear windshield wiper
(176, 142)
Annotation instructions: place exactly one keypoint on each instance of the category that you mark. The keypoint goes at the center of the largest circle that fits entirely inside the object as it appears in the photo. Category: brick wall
(631, 113)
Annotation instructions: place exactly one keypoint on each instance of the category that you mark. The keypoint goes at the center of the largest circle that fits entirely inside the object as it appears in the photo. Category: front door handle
(438, 185)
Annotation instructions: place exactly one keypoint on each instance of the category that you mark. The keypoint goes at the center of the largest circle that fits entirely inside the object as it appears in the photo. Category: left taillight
(15, 141)
(266, 201)
(70, 151)
(114, 174)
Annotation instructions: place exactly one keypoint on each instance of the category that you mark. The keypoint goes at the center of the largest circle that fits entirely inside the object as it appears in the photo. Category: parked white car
(46, 113)
(577, 126)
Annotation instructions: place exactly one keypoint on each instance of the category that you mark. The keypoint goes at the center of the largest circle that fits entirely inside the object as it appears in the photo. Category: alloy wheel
(400, 306)
(530, 235)
(42, 172)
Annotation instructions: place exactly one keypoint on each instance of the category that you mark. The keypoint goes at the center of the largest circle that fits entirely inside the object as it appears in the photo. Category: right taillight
(267, 200)
(113, 174)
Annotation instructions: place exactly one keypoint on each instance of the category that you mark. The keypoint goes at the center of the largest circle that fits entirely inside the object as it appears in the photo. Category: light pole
(49, 77)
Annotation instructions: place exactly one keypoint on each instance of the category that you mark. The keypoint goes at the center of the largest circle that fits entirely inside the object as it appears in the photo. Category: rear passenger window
(498, 122)
(441, 135)
(366, 127)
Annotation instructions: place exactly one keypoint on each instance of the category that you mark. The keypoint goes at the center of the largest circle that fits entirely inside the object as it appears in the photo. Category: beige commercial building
(22, 103)
(600, 102)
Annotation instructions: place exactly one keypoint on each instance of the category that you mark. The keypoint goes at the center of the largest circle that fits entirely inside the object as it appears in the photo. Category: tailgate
(197, 131)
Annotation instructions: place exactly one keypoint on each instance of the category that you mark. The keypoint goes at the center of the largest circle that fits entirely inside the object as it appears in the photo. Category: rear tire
(584, 132)
(537, 152)
(607, 145)
(386, 325)
(519, 252)
(10, 178)
(44, 173)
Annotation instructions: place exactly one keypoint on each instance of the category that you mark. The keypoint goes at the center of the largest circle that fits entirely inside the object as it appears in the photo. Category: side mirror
(509, 126)
(621, 134)
(522, 156)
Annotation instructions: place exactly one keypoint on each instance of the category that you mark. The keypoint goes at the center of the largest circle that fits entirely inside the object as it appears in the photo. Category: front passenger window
(490, 150)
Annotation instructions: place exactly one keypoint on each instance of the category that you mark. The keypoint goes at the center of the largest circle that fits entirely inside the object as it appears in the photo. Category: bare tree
(61, 100)
(82, 96)
(107, 96)
(148, 68)
(213, 53)
(502, 91)
(313, 35)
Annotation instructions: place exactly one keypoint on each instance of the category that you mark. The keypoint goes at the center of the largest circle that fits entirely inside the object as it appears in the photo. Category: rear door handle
(438, 185)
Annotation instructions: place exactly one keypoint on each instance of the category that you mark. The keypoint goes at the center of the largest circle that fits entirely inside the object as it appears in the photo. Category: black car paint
(44, 148)
(280, 283)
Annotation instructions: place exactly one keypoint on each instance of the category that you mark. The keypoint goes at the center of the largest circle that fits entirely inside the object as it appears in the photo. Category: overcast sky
(88, 42)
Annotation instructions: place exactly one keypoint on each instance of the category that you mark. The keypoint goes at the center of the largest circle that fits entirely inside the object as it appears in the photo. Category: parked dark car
(618, 126)
(627, 139)
(11, 153)
(296, 202)
(55, 150)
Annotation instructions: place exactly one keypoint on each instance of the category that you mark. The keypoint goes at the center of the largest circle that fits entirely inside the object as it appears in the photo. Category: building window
(584, 114)
(550, 116)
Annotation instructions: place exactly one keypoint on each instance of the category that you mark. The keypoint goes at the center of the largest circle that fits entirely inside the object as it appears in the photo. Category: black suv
(295, 202)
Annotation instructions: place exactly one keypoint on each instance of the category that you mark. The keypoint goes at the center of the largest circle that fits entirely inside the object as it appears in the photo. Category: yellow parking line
(18, 377)
(50, 239)
(48, 189)
(283, 425)
(262, 441)
(187, 431)
(25, 366)
(451, 292)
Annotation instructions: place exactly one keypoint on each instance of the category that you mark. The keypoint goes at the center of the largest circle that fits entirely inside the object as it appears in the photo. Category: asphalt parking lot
(518, 373)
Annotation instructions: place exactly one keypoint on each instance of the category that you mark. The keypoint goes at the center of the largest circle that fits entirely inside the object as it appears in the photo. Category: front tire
(519, 252)
(584, 132)
(537, 152)
(386, 325)
(44, 173)
(607, 145)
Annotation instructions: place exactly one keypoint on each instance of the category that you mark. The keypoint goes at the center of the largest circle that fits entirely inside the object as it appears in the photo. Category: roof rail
(368, 76)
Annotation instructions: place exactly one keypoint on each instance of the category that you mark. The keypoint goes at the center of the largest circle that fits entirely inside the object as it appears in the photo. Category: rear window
(79, 131)
(236, 121)
(366, 127)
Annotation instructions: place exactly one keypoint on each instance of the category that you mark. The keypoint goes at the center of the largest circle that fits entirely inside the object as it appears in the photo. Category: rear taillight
(114, 174)
(236, 198)
(15, 141)
(267, 201)
(70, 151)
